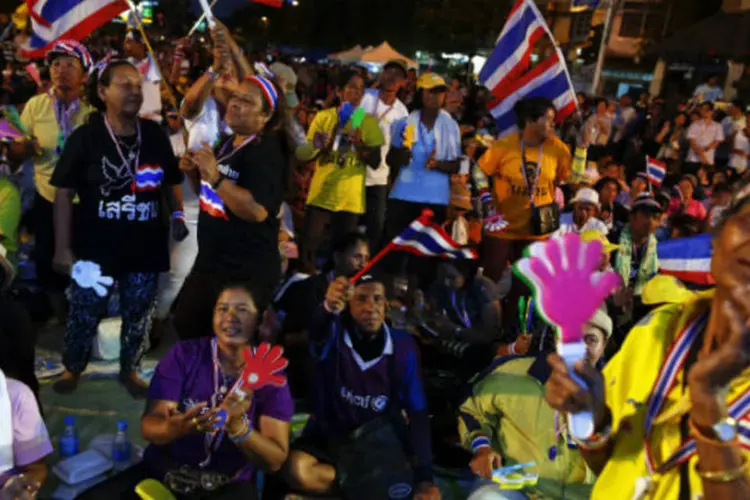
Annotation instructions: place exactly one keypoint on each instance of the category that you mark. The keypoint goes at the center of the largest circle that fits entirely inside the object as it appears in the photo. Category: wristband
(512, 349)
(216, 184)
(485, 196)
(178, 214)
(211, 72)
(328, 309)
(597, 441)
(242, 437)
(479, 442)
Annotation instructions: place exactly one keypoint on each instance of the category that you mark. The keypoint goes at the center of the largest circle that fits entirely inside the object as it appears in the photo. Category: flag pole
(559, 53)
(150, 50)
(603, 47)
(200, 19)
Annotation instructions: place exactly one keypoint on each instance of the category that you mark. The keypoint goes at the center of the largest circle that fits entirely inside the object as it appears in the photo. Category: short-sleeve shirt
(120, 210)
(503, 162)
(185, 376)
(38, 118)
(30, 438)
(704, 134)
(338, 184)
(225, 241)
(385, 115)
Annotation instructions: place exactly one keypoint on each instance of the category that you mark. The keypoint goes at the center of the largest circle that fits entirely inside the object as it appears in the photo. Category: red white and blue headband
(268, 88)
(71, 48)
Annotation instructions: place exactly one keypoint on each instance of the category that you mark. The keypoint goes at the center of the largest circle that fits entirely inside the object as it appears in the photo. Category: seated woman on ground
(190, 385)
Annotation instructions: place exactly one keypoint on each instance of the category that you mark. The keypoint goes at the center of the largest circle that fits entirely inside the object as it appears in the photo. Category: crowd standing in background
(231, 202)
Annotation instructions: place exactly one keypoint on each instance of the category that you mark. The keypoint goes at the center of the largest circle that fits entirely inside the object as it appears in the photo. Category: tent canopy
(348, 56)
(384, 53)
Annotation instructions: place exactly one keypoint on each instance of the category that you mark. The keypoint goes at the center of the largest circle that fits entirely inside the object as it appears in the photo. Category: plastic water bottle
(121, 447)
(69, 438)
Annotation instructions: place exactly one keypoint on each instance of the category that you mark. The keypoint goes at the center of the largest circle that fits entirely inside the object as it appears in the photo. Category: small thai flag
(687, 259)
(148, 177)
(656, 171)
(211, 203)
(424, 237)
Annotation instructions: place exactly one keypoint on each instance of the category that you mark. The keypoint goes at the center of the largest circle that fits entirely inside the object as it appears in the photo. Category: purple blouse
(185, 376)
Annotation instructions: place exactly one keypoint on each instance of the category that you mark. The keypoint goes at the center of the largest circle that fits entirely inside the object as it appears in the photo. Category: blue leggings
(137, 300)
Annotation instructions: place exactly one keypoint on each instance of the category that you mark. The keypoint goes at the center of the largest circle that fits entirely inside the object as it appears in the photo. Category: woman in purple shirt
(188, 389)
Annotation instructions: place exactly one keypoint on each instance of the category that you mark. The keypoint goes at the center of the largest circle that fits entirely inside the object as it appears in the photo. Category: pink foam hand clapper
(563, 274)
(262, 367)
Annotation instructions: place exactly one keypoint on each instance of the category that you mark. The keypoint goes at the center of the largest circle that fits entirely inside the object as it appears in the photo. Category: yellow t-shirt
(629, 379)
(38, 118)
(334, 187)
(503, 162)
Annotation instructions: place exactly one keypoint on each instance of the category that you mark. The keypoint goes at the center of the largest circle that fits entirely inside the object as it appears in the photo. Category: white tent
(348, 56)
(384, 53)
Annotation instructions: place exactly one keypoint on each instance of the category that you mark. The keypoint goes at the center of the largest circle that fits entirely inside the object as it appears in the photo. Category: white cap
(586, 195)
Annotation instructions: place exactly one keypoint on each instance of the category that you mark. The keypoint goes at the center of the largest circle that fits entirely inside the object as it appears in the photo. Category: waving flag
(52, 20)
(656, 171)
(427, 239)
(506, 73)
(211, 203)
(687, 259)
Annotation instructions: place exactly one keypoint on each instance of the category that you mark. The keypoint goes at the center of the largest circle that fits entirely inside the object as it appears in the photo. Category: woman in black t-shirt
(116, 164)
(240, 185)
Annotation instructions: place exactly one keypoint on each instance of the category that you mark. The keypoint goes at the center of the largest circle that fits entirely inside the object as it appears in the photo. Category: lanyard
(63, 115)
(223, 156)
(212, 440)
(423, 137)
(532, 191)
(462, 314)
(384, 113)
(133, 156)
(663, 385)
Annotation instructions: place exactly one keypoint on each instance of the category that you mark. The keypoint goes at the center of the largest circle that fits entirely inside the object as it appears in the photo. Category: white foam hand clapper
(88, 274)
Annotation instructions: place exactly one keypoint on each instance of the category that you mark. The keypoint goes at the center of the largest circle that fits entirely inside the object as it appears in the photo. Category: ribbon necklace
(212, 440)
(384, 113)
(223, 155)
(673, 365)
(134, 155)
(461, 313)
(63, 115)
(423, 137)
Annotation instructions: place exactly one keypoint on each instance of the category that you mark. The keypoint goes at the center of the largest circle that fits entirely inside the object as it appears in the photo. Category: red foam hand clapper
(262, 367)
(569, 288)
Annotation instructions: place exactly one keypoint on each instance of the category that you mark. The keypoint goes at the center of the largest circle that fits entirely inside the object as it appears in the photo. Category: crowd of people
(229, 199)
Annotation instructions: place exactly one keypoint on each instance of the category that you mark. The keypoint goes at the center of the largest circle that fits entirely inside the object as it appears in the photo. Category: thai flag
(506, 73)
(656, 171)
(53, 20)
(425, 238)
(687, 259)
(148, 177)
(211, 203)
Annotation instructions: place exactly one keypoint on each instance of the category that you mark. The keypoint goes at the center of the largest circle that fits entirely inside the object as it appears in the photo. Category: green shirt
(10, 216)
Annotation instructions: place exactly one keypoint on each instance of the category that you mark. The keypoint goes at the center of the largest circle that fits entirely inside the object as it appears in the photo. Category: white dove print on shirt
(117, 177)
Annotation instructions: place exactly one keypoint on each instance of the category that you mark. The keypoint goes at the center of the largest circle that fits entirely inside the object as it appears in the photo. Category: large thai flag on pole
(506, 73)
(424, 238)
(655, 171)
(687, 259)
(53, 20)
